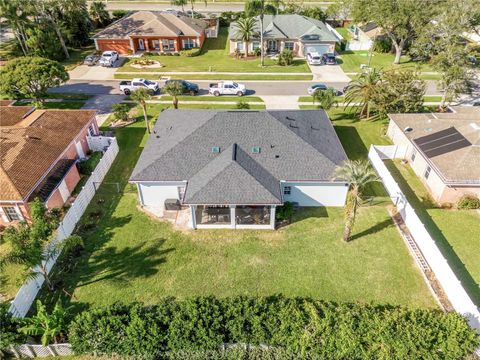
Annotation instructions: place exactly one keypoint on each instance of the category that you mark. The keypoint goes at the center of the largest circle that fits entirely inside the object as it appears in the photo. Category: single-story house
(364, 35)
(301, 34)
(231, 169)
(154, 31)
(38, 154)
(443, 150)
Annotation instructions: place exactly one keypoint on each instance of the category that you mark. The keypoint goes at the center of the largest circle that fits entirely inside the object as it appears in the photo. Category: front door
(272, 45)
(141, 44)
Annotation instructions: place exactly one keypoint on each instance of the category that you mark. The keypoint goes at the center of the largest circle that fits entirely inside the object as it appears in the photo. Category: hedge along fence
(304, 327)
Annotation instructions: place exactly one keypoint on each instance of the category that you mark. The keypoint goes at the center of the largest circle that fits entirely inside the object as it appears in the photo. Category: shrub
(242, 104)
(8, 329)
(468, 202)
(314, 329)
(382, 45)
(285, 58)
(257, 52)
(190, 52)
(143, 62)
(285, 211)
(86, 167)
(118, 14)
(120, 111)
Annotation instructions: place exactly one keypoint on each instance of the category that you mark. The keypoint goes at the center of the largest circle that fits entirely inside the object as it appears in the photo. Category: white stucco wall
(153, 194)
(316, 193)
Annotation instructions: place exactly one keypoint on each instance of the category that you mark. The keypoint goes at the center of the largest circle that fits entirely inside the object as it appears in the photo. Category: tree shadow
(304, 213)
(373, 229)
(421, 206)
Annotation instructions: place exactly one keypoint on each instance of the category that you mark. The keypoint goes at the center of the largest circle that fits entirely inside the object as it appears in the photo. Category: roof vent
(256, 150)
(289, 118)
(293, 126)
(216, 149)
(407, 130)
(428, 129)
(314, 128)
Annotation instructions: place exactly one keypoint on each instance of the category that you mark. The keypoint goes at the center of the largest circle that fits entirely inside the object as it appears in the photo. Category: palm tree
(358, 173)
(277, 4)
(181, 3)
(48, 326)
(192, 2)
(16, 16)
(362, 90)
(246, 31)
(325, 98)
(140, 96)
(99, 13)
(253, 8)
(174, 89)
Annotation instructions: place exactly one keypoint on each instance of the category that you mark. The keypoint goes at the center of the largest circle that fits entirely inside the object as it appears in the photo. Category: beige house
(298, 33)
(443, 149)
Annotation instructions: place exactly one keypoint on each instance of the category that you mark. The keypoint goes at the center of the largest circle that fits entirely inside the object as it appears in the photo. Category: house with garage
(443, 150)
(231, 169)
(155, 31)
(298, 33)
(38, 154)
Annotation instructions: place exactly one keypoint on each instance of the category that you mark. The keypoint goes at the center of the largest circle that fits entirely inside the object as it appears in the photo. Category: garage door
(320, 48)
(121, 46)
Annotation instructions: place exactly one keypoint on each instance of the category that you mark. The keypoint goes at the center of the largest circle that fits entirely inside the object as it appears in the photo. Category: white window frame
(255, 45)
(414, 154)
(288, 47)
(287, 190)
(239, 45)
(188, 43)
(426, 174)
(13, 215)
(156, 41)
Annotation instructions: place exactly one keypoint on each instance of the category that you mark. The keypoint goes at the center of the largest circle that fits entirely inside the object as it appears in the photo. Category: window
(156, 44)
(168, 45)
(289, 45)
(181, 192)
(240, 45)
(188, 43)
(427, 172)
(91, 130)
(287, 190)
(11, 213)
(256, 45)
(412, 157)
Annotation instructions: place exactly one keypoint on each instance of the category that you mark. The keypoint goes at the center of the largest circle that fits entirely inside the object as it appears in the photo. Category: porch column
(132, 45)
(233, 221)
(272, 217)
(282, 45)
(175, 45)
(147, 45)
(160, 44)
(193, 219)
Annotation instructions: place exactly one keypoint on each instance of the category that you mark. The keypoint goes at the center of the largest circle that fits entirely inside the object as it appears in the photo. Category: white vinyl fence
(453, 288)
(27, 293)
(32, 351)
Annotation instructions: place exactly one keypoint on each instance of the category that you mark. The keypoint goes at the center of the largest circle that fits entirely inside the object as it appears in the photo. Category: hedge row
(304, 327)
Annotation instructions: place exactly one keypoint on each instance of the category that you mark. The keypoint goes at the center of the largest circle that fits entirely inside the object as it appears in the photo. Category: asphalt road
(280, 88)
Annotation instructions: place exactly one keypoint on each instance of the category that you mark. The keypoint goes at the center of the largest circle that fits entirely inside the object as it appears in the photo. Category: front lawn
(131, 256)
(350, 61)
(456, 232)
(215, 56)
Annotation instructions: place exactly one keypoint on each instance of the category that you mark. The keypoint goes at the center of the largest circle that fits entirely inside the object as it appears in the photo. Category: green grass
(77, 56)
(426, 98)
(131, 257)
(216, 77)
(456, 232)
(210, 98)
(72, 105)
(215, 56)
(344, 32)
(350, 61)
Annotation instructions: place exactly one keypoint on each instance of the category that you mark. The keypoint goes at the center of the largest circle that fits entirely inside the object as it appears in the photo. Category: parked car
(108, 58)
(314, 58)
(329, 59)
(188, 87)
(127, 87)
(315, 87)
(91, 60)
(227, 88)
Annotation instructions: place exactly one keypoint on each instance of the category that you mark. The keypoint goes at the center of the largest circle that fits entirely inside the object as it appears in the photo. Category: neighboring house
(363, 36)
(231, 169)
(154, 31)
(38, 153)
(443, 150)
(298, 33)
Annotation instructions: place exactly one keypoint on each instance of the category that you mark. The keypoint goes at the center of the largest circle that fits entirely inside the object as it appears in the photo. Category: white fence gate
(32, 351)
(27, 293)
(453, 288)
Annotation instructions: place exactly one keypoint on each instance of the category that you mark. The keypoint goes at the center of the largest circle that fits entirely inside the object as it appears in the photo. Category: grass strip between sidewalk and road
(193, 76)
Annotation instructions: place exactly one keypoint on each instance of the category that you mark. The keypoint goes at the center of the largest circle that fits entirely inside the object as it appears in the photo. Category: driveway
(84, 72)
(328, 73)
(103, 105)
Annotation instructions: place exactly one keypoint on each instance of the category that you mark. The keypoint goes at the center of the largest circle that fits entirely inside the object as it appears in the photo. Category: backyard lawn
(130, 256)
(215, 56)
(457, 232)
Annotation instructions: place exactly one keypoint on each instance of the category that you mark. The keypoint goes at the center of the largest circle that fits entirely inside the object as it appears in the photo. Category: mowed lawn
(215, 56)
(457, 232)
(131, 256)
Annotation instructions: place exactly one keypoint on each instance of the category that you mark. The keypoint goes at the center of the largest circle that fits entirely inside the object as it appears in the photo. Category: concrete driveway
(97, 72)
(328, 73)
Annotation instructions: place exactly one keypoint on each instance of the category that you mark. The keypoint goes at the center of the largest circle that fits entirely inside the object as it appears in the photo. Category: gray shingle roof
(289, 26)
(294, 145)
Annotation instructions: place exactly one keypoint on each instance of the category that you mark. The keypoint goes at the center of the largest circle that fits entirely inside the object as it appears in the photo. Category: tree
(31, 77)
(362, 90)
(174, 89)
(399, 19)
(285, 58)
(245, 31)
(50, 327)
(357, 173)
(181, 3)
(8, 328)
(253, 8)
(99, 13)
(16, 15)
(140, 96)
(120, 111)
(325, 98)
(192, 2)
(242, 105)
(399, 91)
(118, 14)
(32, 245)
(277, 4)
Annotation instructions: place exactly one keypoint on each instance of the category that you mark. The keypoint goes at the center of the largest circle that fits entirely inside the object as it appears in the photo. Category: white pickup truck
(227, 88)
(108, 58)
(127, 87)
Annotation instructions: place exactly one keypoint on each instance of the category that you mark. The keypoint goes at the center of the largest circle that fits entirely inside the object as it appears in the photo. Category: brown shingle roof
(27, 152)
(459, 165)
(12, 115)
(6, 102)
(151, 23)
